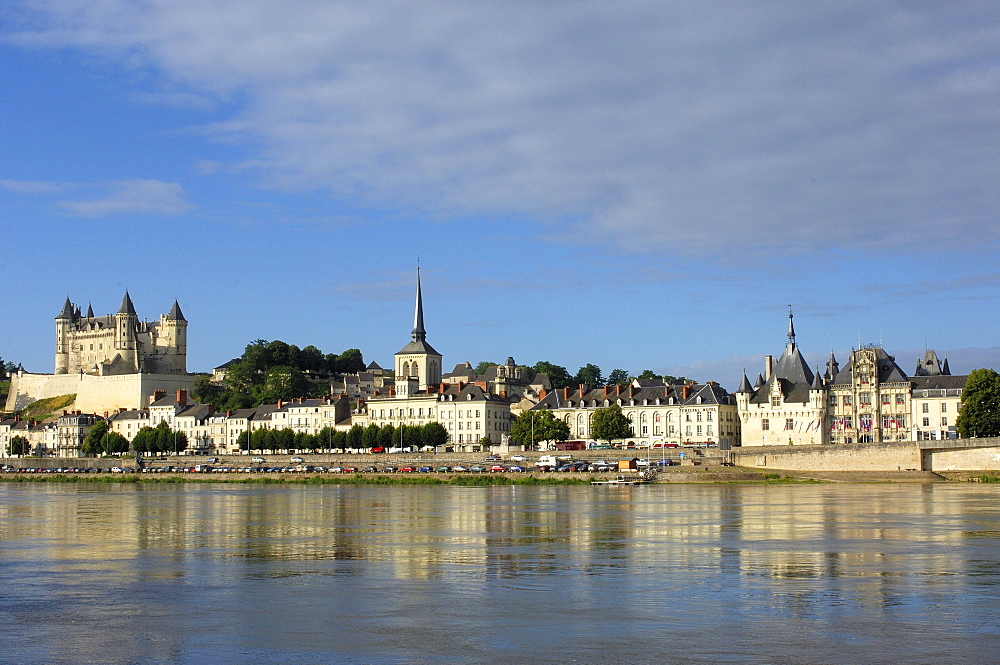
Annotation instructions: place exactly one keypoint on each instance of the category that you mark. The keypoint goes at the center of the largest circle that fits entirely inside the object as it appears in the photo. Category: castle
(109, 362)
(120, 343)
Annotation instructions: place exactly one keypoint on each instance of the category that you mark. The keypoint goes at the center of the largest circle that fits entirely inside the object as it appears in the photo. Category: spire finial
(419, 334)
(791, 328)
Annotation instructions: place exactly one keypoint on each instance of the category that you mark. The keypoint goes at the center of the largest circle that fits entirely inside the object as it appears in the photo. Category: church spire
(419, 334)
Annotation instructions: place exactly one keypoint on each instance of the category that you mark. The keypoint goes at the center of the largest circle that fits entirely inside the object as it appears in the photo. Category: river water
(148, 573)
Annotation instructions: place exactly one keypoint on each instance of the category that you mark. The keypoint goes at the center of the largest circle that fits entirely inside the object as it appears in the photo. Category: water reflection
(226, 573)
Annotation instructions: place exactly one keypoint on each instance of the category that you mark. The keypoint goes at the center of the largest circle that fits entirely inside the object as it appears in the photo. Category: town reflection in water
(188, 572)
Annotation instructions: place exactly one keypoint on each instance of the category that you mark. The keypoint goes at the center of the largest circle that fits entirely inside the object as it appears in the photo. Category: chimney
(618, 390)
(279, 403)
(182, 397)
(583, 389)
(631, 391)
(211, 409)
(229, 412)
(482, 384)
(685, 391)
(566, 392)
(443, 387)
(607, 389)
(157, 396)
(768, 367)
(503, 394)
(541, 394)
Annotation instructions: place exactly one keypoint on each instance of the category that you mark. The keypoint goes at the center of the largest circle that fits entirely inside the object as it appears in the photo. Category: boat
(622, 480)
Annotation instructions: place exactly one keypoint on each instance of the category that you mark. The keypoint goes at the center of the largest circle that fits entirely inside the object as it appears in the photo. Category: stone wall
(854, 457)
(94, 394)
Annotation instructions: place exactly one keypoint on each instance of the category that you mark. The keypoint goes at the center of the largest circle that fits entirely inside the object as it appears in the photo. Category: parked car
(425, 469)
(516, 469)
(459, 468)
(494, 458)
(370, 469)
(351, 469)
(475, 468)
(296, 460)
(443, 469)
(497, 468)
(518, 458)
(258, 460)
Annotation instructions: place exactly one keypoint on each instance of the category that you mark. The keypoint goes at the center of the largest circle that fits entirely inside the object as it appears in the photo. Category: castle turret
(126, 323)
(63, 323)
(173, 338)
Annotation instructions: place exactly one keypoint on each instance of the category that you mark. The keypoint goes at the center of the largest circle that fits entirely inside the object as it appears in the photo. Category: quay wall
(854, 457)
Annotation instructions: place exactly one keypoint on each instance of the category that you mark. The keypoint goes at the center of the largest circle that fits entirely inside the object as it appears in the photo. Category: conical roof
(90, 311)
(175, 313)
(67, 310)
(126, 306)
(745, 385)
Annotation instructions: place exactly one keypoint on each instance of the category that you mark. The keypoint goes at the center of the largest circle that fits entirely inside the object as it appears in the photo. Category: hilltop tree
(610, 423)
(979, 413)
(618, 377)
(590, 375)
(559, 377)
(483, 366)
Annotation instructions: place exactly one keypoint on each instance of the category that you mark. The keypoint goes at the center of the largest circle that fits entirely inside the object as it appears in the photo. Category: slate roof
(126, 306)
(888, 370)
(175, 313)
(708, 393)
(938, 382)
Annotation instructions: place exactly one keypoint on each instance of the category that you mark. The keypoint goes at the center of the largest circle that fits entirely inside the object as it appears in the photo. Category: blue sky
(635, 185)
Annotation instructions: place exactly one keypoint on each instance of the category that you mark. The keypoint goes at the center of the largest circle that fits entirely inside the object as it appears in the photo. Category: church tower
(418, 359)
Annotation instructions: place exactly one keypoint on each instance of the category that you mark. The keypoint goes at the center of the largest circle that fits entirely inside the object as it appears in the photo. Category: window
(765, 424)
(699, 416)
(944, 422)
(789, 423)
(775, 401)
(900, 399)
(925, 408)
(944, 407)
(885, 399)
(833, 400)
(865, 399)
(687, 431)
(709, 416)
(847, 400)
(709, 430)
(699, 430)
(927, 422)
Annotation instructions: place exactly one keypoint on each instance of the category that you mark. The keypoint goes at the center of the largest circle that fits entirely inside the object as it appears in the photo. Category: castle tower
(126, 324)
(64, 323)
(418, 359)
(173, 338)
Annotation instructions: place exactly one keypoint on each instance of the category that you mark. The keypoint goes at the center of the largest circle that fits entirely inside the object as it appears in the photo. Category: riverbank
(710, 475)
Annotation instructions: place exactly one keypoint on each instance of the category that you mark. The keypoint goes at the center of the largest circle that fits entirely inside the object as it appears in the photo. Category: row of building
(870, 399)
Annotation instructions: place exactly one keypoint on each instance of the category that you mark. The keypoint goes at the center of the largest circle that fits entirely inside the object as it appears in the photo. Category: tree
(283, 382)
(340, 440)
(18, 446)
(324, 438)
(144, 440)
(115, 444)
(93, 443)
(538, 425)
(558, 376)
(979, 413)
(354, 436)
(434, 434)
(204, 391)
(610, 423)
(618, 377)
(369, 437)
(385, 434)
(648, 374)
(350, 361)
(483, 366)
(590, 375)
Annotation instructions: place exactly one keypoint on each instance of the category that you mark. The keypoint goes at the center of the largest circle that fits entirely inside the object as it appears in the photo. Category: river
(225, 573)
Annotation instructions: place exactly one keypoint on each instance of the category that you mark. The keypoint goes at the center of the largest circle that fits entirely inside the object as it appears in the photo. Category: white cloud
(136, 196)
(698, 129)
